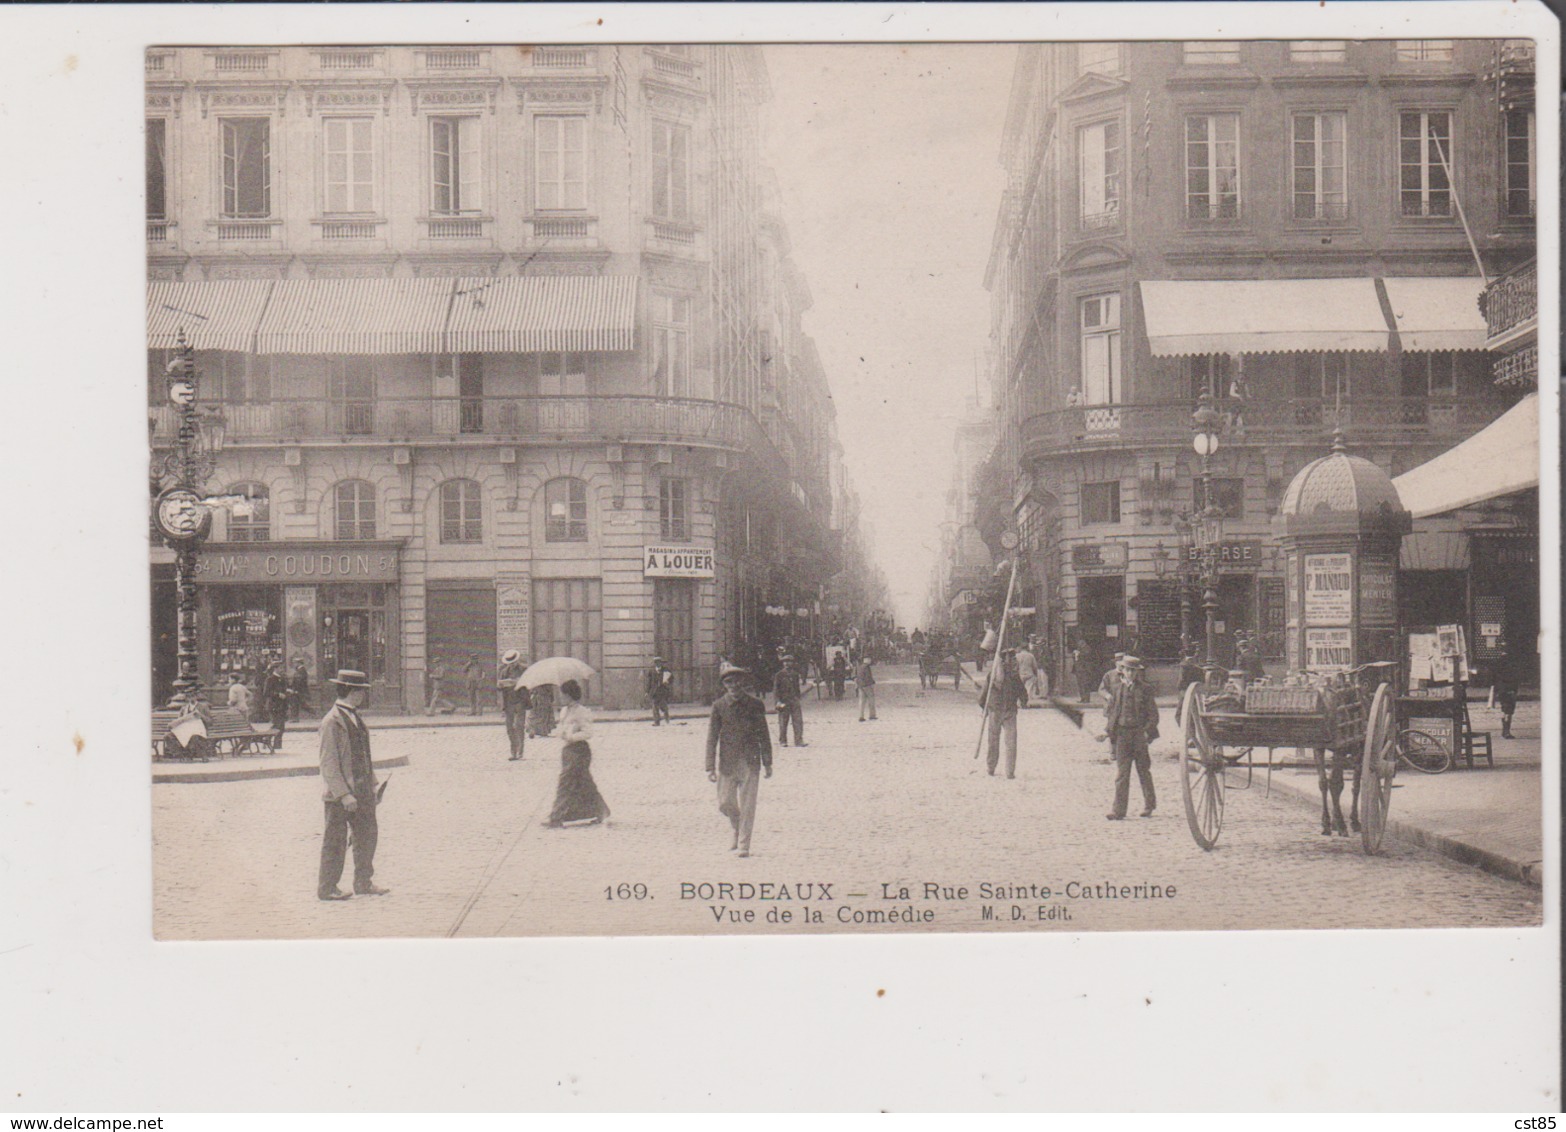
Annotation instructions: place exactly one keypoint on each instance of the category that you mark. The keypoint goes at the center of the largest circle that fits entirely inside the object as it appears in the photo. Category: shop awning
(356, 316)
(529, 314)
(214, 316)
(1439, 313)
(1501, 458)
(1259, 316)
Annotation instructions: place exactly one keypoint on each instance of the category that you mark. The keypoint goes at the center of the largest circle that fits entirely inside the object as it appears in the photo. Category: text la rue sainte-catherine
(734, 902)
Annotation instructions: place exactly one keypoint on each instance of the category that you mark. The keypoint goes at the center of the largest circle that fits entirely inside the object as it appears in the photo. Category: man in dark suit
(348, 781)
(1131, 722)
(739, 753)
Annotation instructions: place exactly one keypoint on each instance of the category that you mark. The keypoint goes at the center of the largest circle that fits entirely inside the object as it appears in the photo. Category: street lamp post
(181, 512)
(1207, 526)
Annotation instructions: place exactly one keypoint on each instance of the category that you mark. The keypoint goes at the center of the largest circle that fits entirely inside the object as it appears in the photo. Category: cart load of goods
(1334, 697)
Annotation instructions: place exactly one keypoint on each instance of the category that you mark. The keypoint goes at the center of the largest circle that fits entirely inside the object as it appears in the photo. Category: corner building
(504, 342)
(1273, 223)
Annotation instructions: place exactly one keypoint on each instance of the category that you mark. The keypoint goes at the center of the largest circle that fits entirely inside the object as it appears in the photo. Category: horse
(1330, 779)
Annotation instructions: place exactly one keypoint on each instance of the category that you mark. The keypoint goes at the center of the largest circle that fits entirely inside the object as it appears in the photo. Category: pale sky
(888, 159)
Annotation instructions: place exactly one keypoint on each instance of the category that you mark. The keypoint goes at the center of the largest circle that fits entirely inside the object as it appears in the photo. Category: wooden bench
(228, 732)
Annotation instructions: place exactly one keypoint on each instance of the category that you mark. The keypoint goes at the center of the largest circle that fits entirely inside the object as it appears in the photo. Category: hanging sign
(678, 562)
(1329, 589)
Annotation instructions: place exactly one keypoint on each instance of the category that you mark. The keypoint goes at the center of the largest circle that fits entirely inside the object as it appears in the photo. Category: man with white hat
(348, 778)
(513, 700)
(739, 752)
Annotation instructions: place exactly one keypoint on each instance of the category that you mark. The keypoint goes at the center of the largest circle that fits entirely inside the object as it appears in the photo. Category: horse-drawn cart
(1351, 718)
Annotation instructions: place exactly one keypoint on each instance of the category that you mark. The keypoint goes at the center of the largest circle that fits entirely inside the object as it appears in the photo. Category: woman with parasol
(576, 795)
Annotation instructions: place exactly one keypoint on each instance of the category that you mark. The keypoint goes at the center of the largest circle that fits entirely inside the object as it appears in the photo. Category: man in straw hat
(349, 791)
(1131, 722)
(513, 700)
(739, 752)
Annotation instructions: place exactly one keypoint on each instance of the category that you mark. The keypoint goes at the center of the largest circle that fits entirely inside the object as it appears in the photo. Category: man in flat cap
(739, 752)
(348, 781)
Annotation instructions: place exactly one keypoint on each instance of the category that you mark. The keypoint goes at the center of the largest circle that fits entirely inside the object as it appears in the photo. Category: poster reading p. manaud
(659, 488)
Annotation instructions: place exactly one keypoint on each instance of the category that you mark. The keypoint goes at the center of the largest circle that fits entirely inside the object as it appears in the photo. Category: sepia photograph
(661, 549)
(533, 437)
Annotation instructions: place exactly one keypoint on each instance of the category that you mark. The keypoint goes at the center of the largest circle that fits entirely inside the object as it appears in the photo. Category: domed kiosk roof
(1343, 493)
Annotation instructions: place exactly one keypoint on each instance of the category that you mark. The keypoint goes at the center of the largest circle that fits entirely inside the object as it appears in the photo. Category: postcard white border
(99, 1018)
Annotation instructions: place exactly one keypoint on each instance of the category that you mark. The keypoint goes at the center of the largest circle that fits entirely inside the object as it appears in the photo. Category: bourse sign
(677, 562)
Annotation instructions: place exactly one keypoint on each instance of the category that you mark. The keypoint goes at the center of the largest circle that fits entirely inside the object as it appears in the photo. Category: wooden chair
(1472, 744)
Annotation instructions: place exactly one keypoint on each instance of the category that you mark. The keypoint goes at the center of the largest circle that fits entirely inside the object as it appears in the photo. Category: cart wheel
(1201, 774)
(1424, 752)
(1377, 770)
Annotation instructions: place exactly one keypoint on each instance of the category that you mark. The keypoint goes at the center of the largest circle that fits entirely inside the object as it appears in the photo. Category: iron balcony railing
(1511, 300)
(629, 419)
(1296, 419)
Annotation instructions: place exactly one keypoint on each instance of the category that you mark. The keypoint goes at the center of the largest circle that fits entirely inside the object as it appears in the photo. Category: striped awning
(1259, 316)
(214, 316)
(1438, 313)
(529, 314)
(356, 316)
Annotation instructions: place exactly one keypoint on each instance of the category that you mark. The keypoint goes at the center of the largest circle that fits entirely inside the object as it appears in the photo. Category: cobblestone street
(899, 803)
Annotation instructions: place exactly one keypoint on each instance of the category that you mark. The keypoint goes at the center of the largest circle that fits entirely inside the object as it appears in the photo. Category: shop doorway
(353, 639)
(1101, 610)
(568, 621)
(674, 632)
(1236, 614)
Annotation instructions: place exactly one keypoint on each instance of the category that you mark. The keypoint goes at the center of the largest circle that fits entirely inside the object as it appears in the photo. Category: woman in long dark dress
(576, 796)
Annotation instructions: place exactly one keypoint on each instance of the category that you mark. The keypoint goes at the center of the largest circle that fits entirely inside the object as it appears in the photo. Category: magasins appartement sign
(677, 562)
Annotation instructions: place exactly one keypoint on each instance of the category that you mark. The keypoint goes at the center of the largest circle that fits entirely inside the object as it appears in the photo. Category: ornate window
(1100, 503)
(565, 510)
(1099, 151)
(1101, 384)
(560, 163)
(353, 504)
(350, 385)
(671, 344)
(1227, 494)
(1521, 163)
(671, 172)
(1212, 166)
(250, 520)
(461, 512)
(674, 520)
(247, 167)
(157, 169)
(348, 152)
(562, 374)
(1321, 166)
(1425, 160)
(456, 166)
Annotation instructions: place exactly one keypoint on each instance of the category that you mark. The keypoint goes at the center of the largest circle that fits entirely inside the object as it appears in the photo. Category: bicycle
(1423, 752)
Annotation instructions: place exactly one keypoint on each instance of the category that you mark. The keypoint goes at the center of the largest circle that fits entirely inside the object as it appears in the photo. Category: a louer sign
(677, 562)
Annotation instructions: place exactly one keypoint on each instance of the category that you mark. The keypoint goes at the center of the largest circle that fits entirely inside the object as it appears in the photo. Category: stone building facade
(506, 347)
(1281, 225)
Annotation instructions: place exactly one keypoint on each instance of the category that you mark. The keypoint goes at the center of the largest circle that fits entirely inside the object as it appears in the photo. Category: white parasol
(554, 670)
